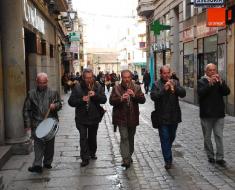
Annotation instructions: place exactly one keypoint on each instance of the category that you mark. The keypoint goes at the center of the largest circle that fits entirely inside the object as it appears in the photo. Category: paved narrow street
(191, 169)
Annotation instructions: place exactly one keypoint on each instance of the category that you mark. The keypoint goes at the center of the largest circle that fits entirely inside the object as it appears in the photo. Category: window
(188, 65)
(44, 47)
(188, 9)
(51, 51)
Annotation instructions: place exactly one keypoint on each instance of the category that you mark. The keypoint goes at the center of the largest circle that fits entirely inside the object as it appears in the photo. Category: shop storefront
(207, 53)
(188, 65)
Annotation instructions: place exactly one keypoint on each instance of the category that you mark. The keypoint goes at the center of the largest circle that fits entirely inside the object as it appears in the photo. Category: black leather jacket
(84, 114)
(167, 103)
(37, 104)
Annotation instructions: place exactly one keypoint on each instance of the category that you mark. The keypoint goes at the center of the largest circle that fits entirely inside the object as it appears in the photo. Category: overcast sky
(104, 20)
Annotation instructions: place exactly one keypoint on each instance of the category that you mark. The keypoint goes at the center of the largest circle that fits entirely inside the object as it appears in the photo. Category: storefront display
(188, 71)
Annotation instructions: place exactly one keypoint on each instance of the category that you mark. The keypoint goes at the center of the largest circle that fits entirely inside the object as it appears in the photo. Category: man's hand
(216, 78)
(130, 92)
(125, 97)
(85, 98)
(52, 107)
(167, 86)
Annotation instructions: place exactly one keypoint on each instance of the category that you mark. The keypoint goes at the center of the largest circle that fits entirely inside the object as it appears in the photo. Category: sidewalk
(190, 171)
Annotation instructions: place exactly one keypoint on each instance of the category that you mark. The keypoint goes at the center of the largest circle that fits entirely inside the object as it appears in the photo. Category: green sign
(156, 27)
(74, 36)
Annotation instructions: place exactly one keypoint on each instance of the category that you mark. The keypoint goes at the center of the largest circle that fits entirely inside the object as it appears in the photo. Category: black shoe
(93, 157)
(48, 166)
(221, 162)
(84, 163)
(131, 160)
(126, 164)
(211, 160)
(37, 169)
(168, 166)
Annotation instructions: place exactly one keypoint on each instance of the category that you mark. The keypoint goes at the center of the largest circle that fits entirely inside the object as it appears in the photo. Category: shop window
(51, 51)
(188, 9)
(188, 68)
(44, 47)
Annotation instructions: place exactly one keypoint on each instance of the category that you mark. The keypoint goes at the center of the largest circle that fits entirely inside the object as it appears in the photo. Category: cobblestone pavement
(190, 170)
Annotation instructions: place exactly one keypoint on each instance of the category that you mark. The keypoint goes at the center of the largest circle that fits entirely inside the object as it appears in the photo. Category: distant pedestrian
(86, 97)
(125, 99)
(167, 114)
(36, 105)
(146, 81)
(211, 90)
(107, 81)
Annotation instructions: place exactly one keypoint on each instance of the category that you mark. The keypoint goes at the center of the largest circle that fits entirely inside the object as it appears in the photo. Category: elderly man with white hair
(211, 90)
(36, 106)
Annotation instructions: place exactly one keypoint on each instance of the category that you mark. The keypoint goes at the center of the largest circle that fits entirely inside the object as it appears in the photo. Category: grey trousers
(216, 125)
(127, 141)
(44, 152)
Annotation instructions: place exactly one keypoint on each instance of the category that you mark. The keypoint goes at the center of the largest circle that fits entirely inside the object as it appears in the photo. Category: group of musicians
(86, 97)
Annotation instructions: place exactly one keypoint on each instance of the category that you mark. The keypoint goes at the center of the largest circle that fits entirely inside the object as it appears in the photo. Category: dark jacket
(37, 104)
(211, 101)
(124, 114)
(167, 103)
(146, 79)
(84, 114)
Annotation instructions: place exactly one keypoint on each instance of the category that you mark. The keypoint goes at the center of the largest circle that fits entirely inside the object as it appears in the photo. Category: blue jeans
(167, 134)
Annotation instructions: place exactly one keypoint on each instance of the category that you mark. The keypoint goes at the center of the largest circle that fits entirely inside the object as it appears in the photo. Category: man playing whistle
(211, 89)
(165, 93)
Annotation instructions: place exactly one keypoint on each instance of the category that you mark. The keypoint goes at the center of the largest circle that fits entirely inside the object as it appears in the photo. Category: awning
(139, 64)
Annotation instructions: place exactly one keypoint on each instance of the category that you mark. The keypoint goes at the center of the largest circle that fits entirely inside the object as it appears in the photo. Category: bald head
(210, 69)
(165, 72)
(42, 81)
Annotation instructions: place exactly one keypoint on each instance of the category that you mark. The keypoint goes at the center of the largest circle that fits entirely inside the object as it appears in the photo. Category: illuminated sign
(216, 17)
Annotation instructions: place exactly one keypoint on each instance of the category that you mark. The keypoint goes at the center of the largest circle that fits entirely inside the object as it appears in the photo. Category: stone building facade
(189, 44)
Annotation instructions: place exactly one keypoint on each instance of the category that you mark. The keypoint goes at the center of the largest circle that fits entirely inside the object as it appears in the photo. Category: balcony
(145, 8)
(57, 5)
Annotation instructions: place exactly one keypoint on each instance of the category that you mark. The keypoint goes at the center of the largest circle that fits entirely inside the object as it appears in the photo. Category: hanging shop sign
(157, 27)
(216, 17)
(33, 17)
(74, 36)
(209, 3)
(159, 47)
(230, 15)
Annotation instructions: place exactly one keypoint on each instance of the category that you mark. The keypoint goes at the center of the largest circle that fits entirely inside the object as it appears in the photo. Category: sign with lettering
(159, 47)
(208, 3)
(216, 17)
(33, 17)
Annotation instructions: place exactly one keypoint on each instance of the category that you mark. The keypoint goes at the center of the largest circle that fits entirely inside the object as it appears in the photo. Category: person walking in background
(165, 93)
(86, 97)
(108, 81)
(211, 90)
(146, 81)
(64, 82)
(125, 99)
(36, 105)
